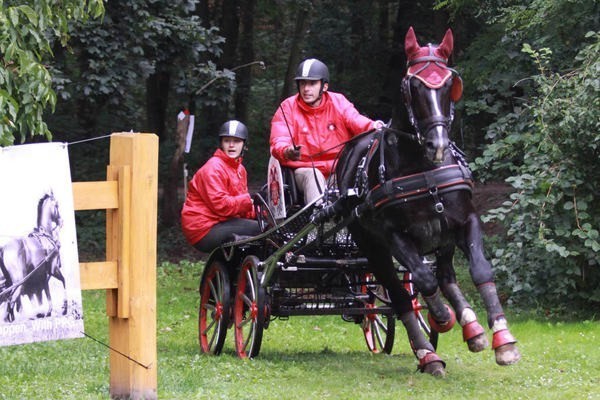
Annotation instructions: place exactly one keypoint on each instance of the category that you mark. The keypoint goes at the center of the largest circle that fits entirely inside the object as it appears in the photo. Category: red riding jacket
(317, 129)
(217, 192)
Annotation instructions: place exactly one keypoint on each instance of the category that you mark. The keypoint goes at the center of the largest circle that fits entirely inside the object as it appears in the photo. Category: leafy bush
(552, 220)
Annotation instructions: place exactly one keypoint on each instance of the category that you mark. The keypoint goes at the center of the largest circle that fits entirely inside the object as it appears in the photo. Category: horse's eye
(391, 140)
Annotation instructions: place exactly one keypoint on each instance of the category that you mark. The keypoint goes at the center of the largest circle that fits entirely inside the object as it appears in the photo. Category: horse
(27, 263)
(408, 195)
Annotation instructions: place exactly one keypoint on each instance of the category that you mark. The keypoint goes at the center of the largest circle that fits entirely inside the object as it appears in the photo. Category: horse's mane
(40, 206)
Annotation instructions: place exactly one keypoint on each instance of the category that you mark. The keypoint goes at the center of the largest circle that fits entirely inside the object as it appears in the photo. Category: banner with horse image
(40, 293)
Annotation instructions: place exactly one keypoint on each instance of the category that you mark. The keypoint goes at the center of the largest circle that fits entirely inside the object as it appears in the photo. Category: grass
(305, 358)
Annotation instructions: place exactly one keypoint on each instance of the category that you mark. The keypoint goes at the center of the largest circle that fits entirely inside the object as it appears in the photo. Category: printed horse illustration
(27, 263)
(410, 196)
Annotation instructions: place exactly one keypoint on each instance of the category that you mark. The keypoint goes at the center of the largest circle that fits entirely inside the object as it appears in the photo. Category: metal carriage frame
(297, 266)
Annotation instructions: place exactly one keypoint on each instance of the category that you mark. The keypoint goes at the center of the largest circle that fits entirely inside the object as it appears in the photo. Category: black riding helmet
(312, 70)
(234, 128)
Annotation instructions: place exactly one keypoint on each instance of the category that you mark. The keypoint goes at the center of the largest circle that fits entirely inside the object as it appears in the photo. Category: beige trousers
(306, 182)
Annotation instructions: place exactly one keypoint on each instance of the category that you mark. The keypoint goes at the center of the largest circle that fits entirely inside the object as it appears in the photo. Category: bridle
(436, 120)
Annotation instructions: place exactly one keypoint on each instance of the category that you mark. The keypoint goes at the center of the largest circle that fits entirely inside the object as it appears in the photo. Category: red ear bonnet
(433, 74)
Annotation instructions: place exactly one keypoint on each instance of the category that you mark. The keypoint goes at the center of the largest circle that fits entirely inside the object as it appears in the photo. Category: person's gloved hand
(378, 125)
(292, 153)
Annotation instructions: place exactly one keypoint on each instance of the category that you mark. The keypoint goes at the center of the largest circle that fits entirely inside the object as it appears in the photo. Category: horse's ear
(411, 46)
(445, 48)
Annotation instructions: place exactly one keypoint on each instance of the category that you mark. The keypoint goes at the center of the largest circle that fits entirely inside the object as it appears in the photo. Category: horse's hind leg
(382, 266)
(473, 332)
(503, 341)
(441, 317)
(55, 272)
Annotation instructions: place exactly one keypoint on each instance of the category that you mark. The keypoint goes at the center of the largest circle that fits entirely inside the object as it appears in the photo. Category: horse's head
(430, 90)
(49, 218)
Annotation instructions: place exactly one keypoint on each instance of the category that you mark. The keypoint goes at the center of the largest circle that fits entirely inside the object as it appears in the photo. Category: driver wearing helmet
(218, 205)
(309, 128)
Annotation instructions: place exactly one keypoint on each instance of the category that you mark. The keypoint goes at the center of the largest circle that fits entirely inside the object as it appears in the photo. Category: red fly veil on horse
(429, 63)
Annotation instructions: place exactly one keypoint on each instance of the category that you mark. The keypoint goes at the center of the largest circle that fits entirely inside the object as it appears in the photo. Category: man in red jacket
(218, 204)
(308, 129)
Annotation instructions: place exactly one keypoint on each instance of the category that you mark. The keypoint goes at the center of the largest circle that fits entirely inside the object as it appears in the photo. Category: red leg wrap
(428, 359)
(441, 328)
(501, 338)
(471, 330)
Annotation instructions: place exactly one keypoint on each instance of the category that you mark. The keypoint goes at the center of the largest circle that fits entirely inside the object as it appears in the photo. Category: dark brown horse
(27, 263)
(410, 195)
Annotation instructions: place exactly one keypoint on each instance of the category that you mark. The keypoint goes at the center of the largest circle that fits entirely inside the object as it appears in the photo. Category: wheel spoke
(250, 282)
(249, 336)
(209, 327)
(379, 324)
(377, 330)
(244, 322)
(213, 337)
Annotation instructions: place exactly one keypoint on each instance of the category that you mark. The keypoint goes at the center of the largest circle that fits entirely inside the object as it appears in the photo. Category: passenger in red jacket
(218, 204)
(308, 129)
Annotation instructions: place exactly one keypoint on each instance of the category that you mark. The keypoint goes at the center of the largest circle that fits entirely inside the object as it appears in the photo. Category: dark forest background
(529, 115)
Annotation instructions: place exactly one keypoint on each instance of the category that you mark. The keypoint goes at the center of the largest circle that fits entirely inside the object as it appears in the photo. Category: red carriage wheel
(249, 310)
(379, 329)
(215, 308)
(418, 310)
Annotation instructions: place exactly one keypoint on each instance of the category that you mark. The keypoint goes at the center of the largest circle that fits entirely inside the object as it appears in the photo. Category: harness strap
(361, 180)
(425, 184)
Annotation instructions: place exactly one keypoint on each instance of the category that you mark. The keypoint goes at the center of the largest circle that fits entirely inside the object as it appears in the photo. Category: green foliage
(26, 35)
(497, 73)
(109, 76)
(553, 217)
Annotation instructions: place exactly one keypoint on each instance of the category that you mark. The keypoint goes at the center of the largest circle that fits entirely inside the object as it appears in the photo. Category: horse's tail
(2, 266)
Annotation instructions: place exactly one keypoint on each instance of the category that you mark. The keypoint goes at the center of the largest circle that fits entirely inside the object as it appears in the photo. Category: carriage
(297, 266)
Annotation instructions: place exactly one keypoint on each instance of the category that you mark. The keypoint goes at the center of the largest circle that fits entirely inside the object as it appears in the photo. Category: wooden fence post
(131, 241)
(130, 196)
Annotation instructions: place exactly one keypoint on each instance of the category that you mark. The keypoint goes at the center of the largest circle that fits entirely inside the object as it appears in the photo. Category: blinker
(456, 90)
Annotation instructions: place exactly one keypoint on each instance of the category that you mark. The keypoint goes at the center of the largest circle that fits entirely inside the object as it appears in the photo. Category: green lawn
(306, 358)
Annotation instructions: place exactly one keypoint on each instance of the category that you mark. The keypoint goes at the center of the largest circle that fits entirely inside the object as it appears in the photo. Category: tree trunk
(170, 197)
(244, 75)
(302, 19)
(157, 90)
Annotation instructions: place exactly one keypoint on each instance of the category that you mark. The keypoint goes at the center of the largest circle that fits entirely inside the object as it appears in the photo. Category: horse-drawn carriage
(402, 198)
(297, 266)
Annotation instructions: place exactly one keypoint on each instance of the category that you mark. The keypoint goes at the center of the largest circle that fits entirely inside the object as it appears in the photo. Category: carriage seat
(294, 197)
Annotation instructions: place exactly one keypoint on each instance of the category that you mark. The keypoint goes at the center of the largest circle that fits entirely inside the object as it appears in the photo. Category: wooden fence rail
(128, 274)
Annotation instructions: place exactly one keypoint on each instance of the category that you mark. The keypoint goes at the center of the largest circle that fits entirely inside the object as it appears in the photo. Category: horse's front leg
(473, 332)
(382, 266)
(441, 317)
(481, 272)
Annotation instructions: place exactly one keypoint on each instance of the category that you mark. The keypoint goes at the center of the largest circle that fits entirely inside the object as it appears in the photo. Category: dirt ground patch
(489, 196)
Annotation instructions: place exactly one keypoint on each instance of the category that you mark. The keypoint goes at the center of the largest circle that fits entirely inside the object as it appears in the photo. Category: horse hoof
(442, 327)
(474, 335)
(507, 354)
(435, 368)
(478, 343)
(432, 364)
